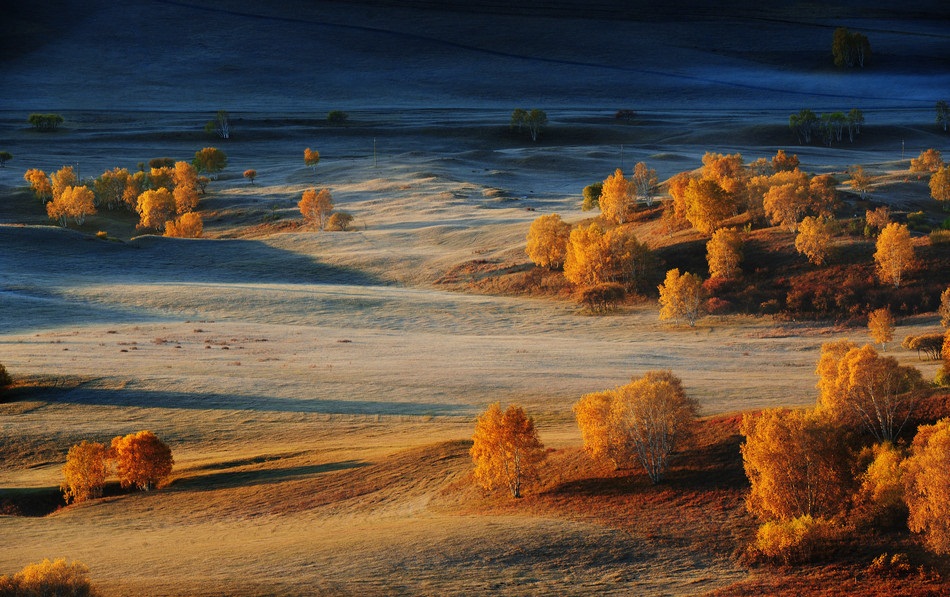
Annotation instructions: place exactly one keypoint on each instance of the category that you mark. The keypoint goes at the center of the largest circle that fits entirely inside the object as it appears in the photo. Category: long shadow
(233, 479)
(214, 401)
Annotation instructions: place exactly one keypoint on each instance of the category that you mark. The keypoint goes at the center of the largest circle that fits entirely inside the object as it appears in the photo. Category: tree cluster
(850, 49)
(45, 122)
(530, 121)
(139, 460)
(830, 126)
(220, 126)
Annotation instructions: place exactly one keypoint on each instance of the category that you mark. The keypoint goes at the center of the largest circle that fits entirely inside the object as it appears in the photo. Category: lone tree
(220, 126)
(644, 421)
(340, 221)
(250, 175)
(547, 241)
(895, 254)
(927, 485)
(533, 121)
(337, 117)
(141, 460)
(311, 158)
(943, 115)
(850, 49)
(84, 474)
(5, 156)
(506, 450)
(681, 295)
(645, 183)
(881, 326)
(210, 160)
(929, 161)
(316, 207)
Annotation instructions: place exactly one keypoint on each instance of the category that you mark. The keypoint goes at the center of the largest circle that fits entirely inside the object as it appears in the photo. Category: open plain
(318, 388)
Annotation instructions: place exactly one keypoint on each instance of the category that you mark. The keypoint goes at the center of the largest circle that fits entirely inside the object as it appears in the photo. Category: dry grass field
(318, 389)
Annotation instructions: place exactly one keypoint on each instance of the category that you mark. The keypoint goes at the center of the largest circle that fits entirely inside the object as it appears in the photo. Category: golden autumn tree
(724, 253)
(860, 181)
(782, 162)
(161, 177)
(929, 161)
(110, 187)
(879, 499)
(250, 174)
(796, 463)
(927, 485)
(50, 578)
(827, 368)
(141, 460)
(814, 239)
(316, 207)
(881, 326)
(39, 183)
(187, 225)
(787, 198)
(707, 204)
(311, 158)
(62, 178)
(185, 179)
(616, 198)
(681, 295)
(71, 202)
(596, 256)
(602, 437)
(134, 186)
(878, 218)
(677, 186)
(944, 309)
(155, 207)
(940, 186)
(547, 241)
(85, 471)
(506, 450)
(866, 390)
(895, 254)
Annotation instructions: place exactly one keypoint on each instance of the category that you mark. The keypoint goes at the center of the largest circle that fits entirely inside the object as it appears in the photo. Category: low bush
(51, 579)
(796, 541)
(5, 379)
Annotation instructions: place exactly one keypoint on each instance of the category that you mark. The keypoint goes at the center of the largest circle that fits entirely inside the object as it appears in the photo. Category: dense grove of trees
(850, 49)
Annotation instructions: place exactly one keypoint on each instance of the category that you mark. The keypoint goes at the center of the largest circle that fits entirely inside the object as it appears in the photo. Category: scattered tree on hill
(220, 126)
(827, 368)
(860, 181)
(337, 117)
(518, 116)
(595, 256)
(927, 485)
(155, 207)
(895, 254)
(787, 198)
(45, 122)
(944, 309)
(84, 474)
(943, 114)
(185, 180)
(724, 253)
(783, 163)
(592, 196)
(250, 175)
(803, 123)
(930, 345)
(929, 160)
(940, 186)
(187, 225)
(40, 183)
(211, 160)
(311, 158)
(645, 183)
(877, 219)
(506, 450)
(316, 207)
(141, 460)
(814, 239)
(48, 578)
(161, 178)
(533, 121)
(340, 221)
(881, 326)
(870, 391)
(644, 421)
(547, 241)
(681, 296)
(72, 202)
(616, 198)
(5, 156)
(796, 463)
(850, 49)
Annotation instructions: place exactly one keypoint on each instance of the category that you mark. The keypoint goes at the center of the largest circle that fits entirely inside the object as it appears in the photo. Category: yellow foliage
(142, 460)
(188, 225)
(595, 256)
(783, 163)
(724, 253)
(134, 186)
(185, 179)
(602, 440)
(881, 326)
(84, 473)
(506, 450)
(72, 202)
(162, 177)
(616, 197)
(62, 178)
(681, 296)
(940, 185)
(878, 218)
(927, 485)
(929, 160)
(547, 241)
(814, 239)
(787, 198)
(895, 254)
(311, 157)
(155, 207)
(794, 541)
(707, 204)
(40, 183)
(797, 464)
(944, 310)
(110, 187)
(211, 160)
(882, 485)
(316, 207)
(56, 578)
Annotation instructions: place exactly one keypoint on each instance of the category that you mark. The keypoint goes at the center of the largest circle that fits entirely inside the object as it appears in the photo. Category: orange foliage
(878, 218)
(506, 449)
(142, 460)
(84, 473)
(814, 239)
(155, 207)
(185, 179)
(110, 187)
(316, 207)
(783, 163)
(40, 183)
(72, 202)
(940, 185)
(724, 253)
(880, 497)
(929, 160)
(895, 254)
(188, 225)
(707, 204)
(311, 158)
(134, 186)
(161, 178)
(616, 197)
(547, 241)
(62, 178)
(681, 295)
(250, 175)
(49, 578)
(881, 326)
(927, 485)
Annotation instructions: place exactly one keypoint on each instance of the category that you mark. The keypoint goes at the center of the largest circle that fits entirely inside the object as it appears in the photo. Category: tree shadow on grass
(234, 479)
